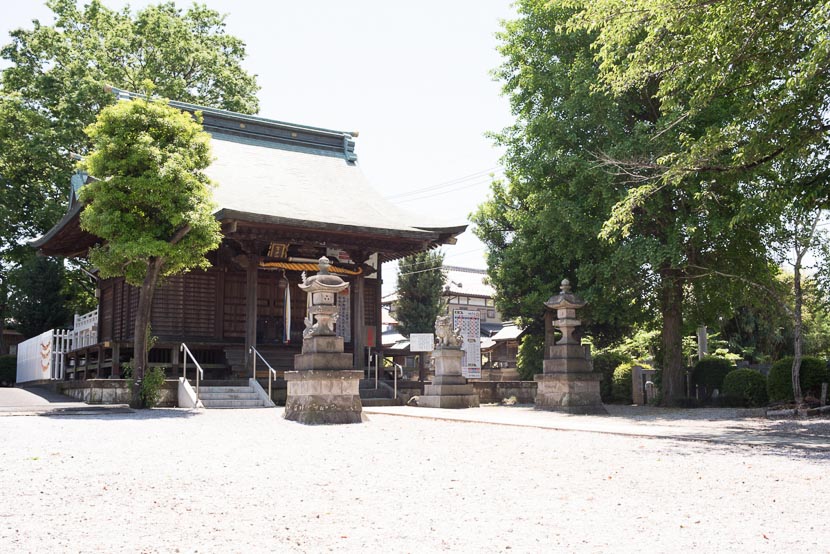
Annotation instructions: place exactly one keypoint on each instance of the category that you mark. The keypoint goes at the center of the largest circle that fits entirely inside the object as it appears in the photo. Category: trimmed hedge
(812, 374)
(8, 370)
(606, 363)
(710, 372)
(747, 387)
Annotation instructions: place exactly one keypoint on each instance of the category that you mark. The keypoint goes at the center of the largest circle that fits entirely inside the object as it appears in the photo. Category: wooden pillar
(359, 321)
(175, 363)
(250, 309)
(116, 365)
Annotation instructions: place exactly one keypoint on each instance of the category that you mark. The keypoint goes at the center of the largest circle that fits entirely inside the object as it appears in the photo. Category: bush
(621, 387)
(780, 381)
(8, 370)
(710, 372)
(605, 363)
(746, 387)
(530, 355)
(150, 387)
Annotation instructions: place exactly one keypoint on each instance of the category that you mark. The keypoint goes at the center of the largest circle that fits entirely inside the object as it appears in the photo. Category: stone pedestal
(449, 389)
(567, 383)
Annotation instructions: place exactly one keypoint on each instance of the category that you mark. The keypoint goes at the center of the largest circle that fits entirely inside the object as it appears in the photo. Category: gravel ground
(248, 481)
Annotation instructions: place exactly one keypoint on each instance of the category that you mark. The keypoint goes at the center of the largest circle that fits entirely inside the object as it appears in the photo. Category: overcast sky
(413, 78)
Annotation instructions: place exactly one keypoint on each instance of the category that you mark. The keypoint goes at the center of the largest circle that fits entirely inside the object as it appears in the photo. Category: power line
(458, 180)
(448, 191)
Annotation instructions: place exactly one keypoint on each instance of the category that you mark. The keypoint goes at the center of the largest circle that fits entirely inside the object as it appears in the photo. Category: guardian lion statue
(445, 335)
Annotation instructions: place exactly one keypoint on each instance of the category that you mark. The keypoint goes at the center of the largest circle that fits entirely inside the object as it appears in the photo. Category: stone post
(324, 386)
(567, 383)
(449, 388)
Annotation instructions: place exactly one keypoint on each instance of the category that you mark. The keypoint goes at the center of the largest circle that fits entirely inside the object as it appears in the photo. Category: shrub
(746, 387)
(530, 355)
(621, 387)
(780, 381)
(8, 370)
(605, 363)
(149, 391)
(710, 372)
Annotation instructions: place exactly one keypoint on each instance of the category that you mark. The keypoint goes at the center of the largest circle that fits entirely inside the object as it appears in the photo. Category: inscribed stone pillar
(567, 383)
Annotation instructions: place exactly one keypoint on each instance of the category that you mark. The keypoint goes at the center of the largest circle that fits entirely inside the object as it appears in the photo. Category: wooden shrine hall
(286, 195)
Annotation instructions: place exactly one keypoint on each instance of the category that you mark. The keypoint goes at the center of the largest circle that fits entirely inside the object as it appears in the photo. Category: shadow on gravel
(121, 413)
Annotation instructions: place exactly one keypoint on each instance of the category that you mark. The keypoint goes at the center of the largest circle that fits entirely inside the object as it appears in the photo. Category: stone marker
(567, 383)
(324, 386)
(449, 388)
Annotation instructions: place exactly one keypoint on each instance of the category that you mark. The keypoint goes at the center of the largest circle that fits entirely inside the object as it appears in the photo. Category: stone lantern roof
(566, 299)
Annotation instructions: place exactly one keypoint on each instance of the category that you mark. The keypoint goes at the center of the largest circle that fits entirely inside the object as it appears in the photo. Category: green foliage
(152, 199)
(622, 384)
(39, 299)
(710, 372)
(8, 370)
(812, 374)
(746, 386)
(760, 68)
(642, 345)
(583, 196)
(150, 387)
(52, 87)
(420, 284)
(530, 355)
(606, 363)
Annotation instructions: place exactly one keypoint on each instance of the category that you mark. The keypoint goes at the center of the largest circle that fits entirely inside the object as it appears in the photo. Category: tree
(420, 284)
(769, 60)
(54, 87)
(39, 298)
(150, 202)
(579, 204)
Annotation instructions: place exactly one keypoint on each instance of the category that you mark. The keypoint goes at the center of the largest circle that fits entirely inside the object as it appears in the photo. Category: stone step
(228, 390)
(228, 395)
(226, 403)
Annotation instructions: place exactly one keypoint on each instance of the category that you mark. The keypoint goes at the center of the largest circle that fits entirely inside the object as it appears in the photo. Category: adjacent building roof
(276, 173)
(510, 331)
(467, 281)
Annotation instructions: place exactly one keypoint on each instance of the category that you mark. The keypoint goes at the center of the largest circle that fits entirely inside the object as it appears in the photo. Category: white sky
(413, 78)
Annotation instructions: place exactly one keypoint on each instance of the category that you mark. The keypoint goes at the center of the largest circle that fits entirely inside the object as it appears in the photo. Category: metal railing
(272, 373)
(199, 371)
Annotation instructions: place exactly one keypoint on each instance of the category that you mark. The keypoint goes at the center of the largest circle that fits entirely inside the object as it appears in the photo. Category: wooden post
(250, 309)
(358, 321)
(115, 373)
(174, 362)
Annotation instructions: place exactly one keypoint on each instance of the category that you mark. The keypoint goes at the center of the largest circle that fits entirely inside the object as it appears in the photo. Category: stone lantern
(324, 386)
(567, 383)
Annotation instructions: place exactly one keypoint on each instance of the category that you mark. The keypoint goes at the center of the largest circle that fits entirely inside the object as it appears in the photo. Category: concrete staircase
(231, 395)
(382, 396)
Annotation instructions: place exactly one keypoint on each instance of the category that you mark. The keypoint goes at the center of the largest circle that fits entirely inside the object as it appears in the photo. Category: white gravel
(248, 481)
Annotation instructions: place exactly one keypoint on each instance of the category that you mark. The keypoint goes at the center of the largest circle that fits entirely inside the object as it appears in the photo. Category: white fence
(44, 357)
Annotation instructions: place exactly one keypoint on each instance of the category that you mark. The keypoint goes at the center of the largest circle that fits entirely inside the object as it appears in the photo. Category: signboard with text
(421, 342)
(469, 322)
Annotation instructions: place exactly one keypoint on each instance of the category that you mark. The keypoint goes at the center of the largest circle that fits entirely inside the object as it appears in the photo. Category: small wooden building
(286, 194)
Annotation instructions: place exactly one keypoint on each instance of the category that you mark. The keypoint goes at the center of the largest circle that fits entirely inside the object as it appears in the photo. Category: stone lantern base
(449, 389)
(573, 393)
(324, 388)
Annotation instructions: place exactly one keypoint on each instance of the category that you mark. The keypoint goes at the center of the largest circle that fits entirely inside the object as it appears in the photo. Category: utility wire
(448, 191)
(458, 180)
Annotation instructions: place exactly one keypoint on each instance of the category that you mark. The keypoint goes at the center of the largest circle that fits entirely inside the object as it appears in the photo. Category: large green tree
(151, 201)
(573, 207)
(420, 285)
(54, 86)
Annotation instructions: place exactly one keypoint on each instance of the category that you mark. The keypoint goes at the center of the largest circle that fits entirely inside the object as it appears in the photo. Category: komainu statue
(445, 335)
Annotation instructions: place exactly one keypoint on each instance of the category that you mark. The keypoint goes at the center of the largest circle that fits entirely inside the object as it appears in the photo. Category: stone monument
(567, 383)
(324, 386)
(449, 388)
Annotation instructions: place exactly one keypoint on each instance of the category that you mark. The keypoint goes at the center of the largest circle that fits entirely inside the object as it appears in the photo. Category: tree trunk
(671, 303)
(798, 394)
(142, 318)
